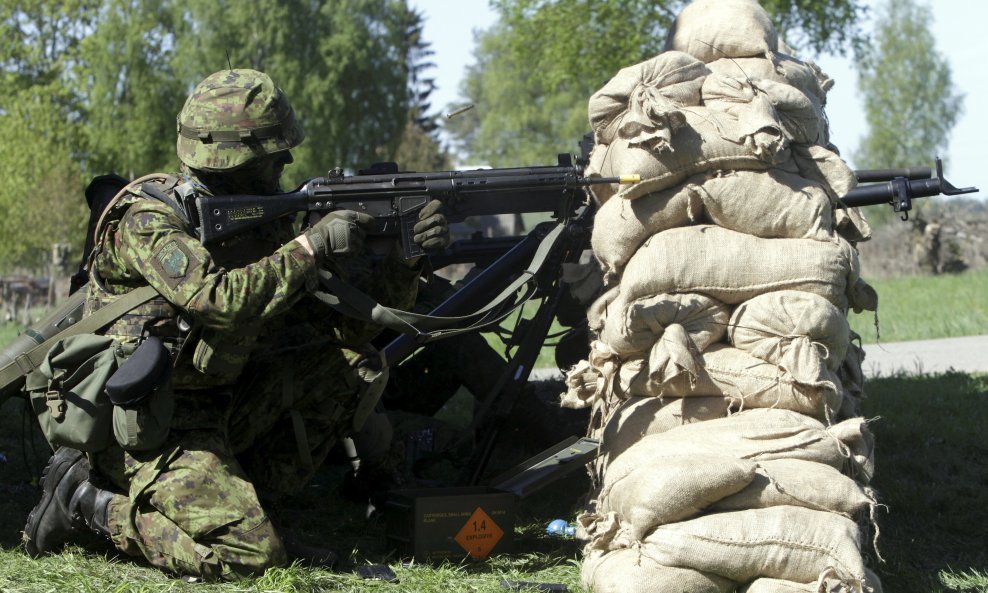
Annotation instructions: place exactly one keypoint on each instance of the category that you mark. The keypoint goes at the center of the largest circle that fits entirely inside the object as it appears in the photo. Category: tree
(343, 63)
(909, 101)
(420, 148)
(93, 86)
(131, 90)
(538, 66)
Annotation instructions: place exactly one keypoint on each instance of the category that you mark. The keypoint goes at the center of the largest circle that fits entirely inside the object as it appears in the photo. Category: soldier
(265, 377)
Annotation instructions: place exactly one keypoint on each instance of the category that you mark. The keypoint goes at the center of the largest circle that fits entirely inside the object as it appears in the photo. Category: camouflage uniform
(265, 380)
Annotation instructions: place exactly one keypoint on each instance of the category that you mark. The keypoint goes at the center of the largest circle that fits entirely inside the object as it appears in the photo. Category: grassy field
(932, 473)
(927, 307)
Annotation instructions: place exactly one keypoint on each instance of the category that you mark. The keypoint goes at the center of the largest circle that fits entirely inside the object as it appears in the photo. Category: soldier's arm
(154, 243)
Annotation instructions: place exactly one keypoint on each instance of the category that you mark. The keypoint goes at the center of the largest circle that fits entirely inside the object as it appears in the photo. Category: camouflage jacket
(228, 295)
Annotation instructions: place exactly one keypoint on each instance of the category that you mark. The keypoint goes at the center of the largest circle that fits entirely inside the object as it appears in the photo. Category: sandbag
(670, 330)
(725, 371)
(824, 166)
(758, 435)
(621, 226)
(852, 225)
(798, 331)
(714, 29)
(669, 488)
(779, 67)
(638, 417)
(755, 115)
(784, 542)
(829, 582)
(796, 482)
(642, 103)
(627, 571)
(640, 325)
(802, 117)
(770, 204)
(709, 140)
(733, 267)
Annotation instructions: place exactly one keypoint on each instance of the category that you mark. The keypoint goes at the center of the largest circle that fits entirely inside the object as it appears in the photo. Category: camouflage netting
(723, 378)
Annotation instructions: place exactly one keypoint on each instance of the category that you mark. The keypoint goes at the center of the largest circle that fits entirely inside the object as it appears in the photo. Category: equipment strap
(352, 302)
(29, 361)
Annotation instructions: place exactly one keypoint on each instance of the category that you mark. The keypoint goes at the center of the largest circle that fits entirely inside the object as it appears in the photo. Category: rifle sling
(352, 302)
(29, 361)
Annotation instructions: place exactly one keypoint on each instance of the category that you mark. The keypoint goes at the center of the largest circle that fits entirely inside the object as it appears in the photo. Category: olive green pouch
(67, 394)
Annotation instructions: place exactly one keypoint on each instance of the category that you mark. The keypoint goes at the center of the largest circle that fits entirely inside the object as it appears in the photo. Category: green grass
(927, 307)
(932, 474)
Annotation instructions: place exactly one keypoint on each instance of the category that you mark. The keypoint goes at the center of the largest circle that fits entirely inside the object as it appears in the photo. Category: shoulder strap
(354, 303)
(30, 360)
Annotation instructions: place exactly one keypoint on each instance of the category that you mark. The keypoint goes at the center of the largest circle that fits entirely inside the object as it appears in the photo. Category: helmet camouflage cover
(233, 117)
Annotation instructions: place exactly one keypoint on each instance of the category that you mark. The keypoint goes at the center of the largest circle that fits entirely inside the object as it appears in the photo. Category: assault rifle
(899, 187)
(394, 198)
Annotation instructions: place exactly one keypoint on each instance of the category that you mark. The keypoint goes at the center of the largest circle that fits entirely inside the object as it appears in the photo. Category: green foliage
(343, 63)
(536, 68)
(909, 102)
(89, 87)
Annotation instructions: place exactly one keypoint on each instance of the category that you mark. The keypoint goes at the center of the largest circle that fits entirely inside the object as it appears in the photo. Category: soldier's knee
(236, 554)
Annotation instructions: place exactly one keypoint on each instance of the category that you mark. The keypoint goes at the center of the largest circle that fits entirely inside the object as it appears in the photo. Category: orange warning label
(480, 534)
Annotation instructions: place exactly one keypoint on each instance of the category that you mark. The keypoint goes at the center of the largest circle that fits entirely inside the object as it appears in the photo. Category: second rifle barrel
(873, 175)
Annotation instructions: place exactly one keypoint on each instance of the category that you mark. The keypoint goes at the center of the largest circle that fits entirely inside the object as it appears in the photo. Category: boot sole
(47, 496)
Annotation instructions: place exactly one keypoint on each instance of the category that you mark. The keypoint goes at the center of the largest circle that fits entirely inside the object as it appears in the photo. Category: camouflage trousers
(192, 507)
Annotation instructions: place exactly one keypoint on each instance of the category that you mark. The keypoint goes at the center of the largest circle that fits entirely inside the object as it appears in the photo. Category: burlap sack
(585, 281)
(714, 29)
(643, 324)
(800, 332)
(669, 489)
(852, 225)
(824, 166)
(852, 378)
(746, 381)
(733, 267)
(621, 226)
(755, 115)
(784, 542)
(641, 416)
(828, 583)
(778, 67)
(770, 204)
(860, 443)
(802, 118)
(751, 434)
(627, 571)
(795, 482)
(710, 140)
(642, 102)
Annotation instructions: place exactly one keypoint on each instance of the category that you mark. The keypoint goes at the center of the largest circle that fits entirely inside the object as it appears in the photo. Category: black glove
(340, 232)
(431, 231)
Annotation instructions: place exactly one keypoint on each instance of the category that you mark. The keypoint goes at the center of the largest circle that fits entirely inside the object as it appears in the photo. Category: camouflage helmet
(233, 117)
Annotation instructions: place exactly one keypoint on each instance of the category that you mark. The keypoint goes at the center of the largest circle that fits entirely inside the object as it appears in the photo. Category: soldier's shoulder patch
(171, 260)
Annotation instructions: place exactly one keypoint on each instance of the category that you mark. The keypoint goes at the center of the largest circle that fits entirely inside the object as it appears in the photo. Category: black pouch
(143, 402)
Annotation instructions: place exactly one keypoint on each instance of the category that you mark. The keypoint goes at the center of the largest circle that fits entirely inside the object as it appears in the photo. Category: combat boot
(69, 505)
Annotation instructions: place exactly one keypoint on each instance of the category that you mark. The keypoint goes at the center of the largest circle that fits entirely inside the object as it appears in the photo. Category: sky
(958, 27)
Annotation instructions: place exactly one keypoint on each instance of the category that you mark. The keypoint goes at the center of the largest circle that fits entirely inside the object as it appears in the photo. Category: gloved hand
(340, 232)
(431, 231)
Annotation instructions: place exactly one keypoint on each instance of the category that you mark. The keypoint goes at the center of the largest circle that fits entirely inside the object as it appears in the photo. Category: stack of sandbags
(723, 379)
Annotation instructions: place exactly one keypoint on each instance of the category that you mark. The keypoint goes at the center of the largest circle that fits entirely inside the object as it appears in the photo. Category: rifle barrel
(876, 175)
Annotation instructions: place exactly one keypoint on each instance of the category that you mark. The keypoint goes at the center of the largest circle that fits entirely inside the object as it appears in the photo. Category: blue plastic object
(557, 527)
